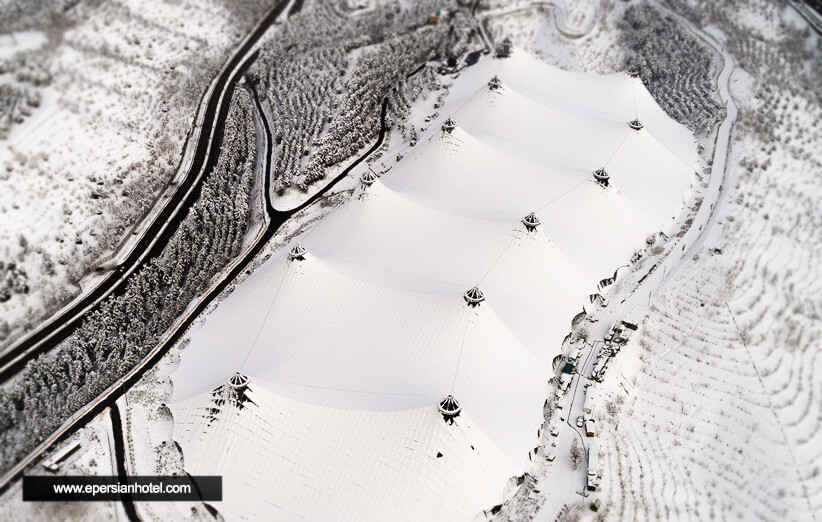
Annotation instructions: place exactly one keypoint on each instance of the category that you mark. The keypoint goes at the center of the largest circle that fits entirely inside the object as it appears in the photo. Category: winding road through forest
(152, 243)
(165, 223)
(276, 218)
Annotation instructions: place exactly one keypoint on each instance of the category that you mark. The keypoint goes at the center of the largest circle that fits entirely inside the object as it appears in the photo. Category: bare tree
(576, 454)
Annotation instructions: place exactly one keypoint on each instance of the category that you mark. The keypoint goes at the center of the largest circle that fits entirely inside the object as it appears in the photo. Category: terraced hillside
(715, 416)
(722, 388)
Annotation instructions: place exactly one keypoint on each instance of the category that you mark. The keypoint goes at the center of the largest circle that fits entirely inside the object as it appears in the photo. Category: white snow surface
(349, 350)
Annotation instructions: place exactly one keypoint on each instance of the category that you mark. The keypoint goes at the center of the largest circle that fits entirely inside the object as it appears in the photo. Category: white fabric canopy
(349, 350)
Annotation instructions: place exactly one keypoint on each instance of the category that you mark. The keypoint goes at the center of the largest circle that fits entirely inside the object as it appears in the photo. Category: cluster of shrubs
(13, 280)
(18, 100)
(324, 103)
(676, 67)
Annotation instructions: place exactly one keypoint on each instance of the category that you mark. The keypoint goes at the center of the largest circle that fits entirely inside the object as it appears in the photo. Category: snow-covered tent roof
(320, 389)
(283, 459)
(389, 239)
(609, 97)
(459, 174)
(328, 353)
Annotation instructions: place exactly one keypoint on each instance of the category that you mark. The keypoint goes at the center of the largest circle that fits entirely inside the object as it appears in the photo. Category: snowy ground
(95, 457)
(722, 406)
(712, 410)
(91, 159)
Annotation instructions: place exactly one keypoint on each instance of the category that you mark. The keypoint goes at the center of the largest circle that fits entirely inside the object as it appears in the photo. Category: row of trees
(357, 122)
(407, 92)
(18, 100)
(124, 328)
(324, 110)
(676, 67)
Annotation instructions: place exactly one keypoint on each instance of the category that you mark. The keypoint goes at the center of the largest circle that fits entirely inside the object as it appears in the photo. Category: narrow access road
(562, 484)
(119, 453)
(559, 16)
(277, 218)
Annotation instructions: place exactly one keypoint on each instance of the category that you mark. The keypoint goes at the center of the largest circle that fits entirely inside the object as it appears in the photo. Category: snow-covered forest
(677, 68)
(118, 335)
(19, 99)
(325, 76)
(97, 101)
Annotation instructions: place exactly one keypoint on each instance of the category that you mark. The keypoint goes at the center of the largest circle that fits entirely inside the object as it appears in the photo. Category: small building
(53, 463)
(531, 222)
(238, 381)
(602, 177)
(593, 466)
(449, 408)
(586, 406)
(449, 125)
(368, 178)
(297, 254)
(590, 428)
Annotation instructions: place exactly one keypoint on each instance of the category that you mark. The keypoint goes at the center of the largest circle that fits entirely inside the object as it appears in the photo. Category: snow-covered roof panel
(617, 97)
(347, 343)
(509, 121)
(381, 236)
(382, 230)
(458, 173)
(654, 180)
(597, 228)
(282, 459)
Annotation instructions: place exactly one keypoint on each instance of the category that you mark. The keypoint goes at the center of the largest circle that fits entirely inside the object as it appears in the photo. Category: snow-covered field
(722, 420)
(118, 87)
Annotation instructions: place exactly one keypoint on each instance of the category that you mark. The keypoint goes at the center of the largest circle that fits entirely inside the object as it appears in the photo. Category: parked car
(579, 421)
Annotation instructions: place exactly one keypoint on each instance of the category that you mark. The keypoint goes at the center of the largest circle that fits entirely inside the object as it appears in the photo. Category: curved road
(559, 17)
(157, 234)
(562, 485)
(276, 219)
